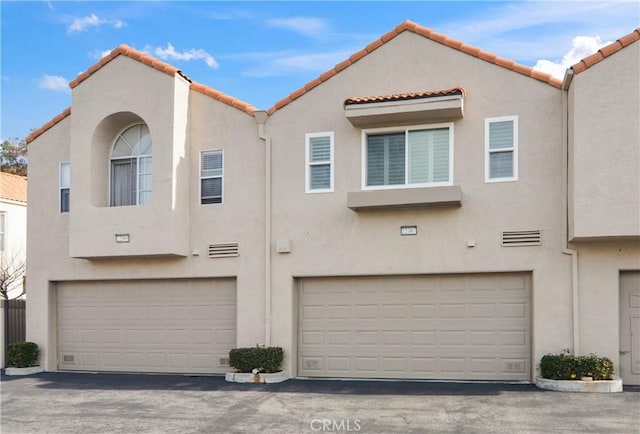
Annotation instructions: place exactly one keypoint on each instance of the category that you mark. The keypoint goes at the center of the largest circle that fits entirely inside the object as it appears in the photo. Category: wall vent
(223, 361)
(68, 359)
(312, 364)
(521, 238)
(223, 250)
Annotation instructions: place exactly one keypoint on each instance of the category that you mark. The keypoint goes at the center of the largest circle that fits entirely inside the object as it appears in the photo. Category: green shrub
(265, 359)
(22, 354)
(568, 367)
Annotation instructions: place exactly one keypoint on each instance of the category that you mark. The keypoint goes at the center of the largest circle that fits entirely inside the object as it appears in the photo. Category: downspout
(575, 296)
(261, 117)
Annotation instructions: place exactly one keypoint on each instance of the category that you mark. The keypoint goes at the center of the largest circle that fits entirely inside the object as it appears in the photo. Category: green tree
(13, 157)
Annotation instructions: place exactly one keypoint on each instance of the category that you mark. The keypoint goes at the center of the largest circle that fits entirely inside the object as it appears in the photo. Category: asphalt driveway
(131, 403)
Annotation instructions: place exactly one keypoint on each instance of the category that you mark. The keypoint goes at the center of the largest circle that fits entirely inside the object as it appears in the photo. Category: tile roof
(429, 34)
(131, 53)
(404, 96)
(161, 66)
(606, 51)
(13, 187)
(35, 133)
(224, 98)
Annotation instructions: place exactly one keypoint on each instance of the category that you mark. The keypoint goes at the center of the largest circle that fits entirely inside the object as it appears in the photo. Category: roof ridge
(168, 69)
(411, 26)
(151, 61)
(130, 52)
(13, 174)
(606, 51)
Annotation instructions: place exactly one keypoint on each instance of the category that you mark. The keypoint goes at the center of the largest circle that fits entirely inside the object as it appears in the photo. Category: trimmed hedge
(569, 367)
(22, 354)
(265, 359)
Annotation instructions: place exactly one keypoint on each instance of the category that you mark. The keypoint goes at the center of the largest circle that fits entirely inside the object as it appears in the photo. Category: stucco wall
(605, 148)
(599, 266)
(329, 239)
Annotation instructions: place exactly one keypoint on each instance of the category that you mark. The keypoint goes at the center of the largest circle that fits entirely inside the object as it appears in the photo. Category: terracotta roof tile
(13, 187)
(125, 50)
(166, 68)
(404, 96)
(222, 97)
(606, 51)
(35, 133)
(429, 34)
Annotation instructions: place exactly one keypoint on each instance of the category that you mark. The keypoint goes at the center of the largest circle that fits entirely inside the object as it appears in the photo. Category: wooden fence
(15, 324)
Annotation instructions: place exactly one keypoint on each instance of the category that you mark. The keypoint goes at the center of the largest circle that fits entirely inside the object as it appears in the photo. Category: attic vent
(521, 238)
(223, 361)
(68, 359)
(223, 250)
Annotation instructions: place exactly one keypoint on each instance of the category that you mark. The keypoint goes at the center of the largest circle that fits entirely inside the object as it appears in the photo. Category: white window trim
(405, 129)
(514, 149)
(308, 163)
(3, 230)
(60, 187)
(200, 178)
(110, 159)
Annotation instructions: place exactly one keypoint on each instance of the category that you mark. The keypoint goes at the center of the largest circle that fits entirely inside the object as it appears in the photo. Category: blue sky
(260, 52)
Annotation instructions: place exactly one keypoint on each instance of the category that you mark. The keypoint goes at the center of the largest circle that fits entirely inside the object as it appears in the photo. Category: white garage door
(428, 327)
(182, 326)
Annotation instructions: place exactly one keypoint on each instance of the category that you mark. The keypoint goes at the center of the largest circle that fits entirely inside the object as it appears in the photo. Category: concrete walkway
(131, 403)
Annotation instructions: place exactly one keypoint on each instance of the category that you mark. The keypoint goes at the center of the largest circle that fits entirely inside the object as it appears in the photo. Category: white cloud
(306, 26)
(530, 30)
(99, 54)
(287, 62)
(82, 24)
(583, 46)
(170, 53)
(54, 82)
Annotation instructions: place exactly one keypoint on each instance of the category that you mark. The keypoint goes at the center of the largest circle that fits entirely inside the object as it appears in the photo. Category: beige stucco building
(423, 210)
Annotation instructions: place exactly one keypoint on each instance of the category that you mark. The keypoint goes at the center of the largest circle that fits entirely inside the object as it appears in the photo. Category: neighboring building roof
(429, 34)
(606, 51)
(13, 187)
(404, 96)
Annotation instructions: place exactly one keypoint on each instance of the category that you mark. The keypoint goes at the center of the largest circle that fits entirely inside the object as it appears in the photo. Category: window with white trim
(211, 177)
(3, 223)
(131, 167)
(64, 187)
(319, 162)
(501, 149)
(416, 156)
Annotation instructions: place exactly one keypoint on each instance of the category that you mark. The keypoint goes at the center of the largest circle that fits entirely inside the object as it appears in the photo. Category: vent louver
(223, 361)
(521, 238)
(227, 250)
(68, 359)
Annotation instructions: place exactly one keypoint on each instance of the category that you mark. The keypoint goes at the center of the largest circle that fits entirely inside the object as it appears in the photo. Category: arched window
(131, 167)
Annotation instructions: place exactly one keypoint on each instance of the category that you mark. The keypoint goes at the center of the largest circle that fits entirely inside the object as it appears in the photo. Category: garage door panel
(449, 327)
(148, 326)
